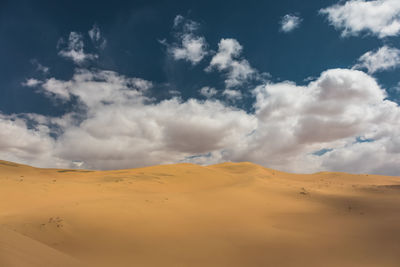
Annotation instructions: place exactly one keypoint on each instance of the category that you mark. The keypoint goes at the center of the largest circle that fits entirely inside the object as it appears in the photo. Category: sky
(299, 86)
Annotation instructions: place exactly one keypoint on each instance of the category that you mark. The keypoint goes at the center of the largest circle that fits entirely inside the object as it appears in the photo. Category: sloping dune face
(231, 214)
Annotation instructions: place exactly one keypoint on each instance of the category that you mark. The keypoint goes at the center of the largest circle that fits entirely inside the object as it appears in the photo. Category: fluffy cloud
(227, 59)
(378, 17)
(190, 47)
(193, 49)
(208, 91)
(97, 88)
(74, 49)
(21, 143)
(138, 134)
(343, 113)
(334, 112)
(134, 130)
(383, 59)
(290, 22)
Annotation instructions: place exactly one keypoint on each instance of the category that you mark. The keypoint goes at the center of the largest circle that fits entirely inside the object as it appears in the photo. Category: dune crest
(229, 214)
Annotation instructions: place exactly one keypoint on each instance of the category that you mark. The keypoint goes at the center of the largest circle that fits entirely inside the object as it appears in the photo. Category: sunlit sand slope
(231, 214)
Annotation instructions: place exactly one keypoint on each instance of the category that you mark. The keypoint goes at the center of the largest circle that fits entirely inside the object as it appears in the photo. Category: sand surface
(231, 214)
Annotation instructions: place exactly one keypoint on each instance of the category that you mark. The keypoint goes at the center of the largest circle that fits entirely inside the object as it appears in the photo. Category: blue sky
(297, 86)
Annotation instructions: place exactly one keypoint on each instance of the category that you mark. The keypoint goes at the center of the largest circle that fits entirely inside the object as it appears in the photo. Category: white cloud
(208, 92)
(290, 22)
(378, 17)
(232, 94)
(96, 37)
(134, 131)
(139, 134)
(20, 143)
(97, 87)
(122, 128)
(31, 82)
(384, 58)
(74, 49)
(227, 59)
(57, 89)
(115, 124)
(193, 49)
(331, 112)
(190, 47)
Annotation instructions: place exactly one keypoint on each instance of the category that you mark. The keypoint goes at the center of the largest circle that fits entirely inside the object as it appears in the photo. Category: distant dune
(230, 214)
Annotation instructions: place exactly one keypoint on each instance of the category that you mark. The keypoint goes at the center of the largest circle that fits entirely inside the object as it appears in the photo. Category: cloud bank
(343, 111)
(341, 121)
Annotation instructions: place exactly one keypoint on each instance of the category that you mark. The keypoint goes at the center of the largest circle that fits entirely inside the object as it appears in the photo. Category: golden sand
(230, 214)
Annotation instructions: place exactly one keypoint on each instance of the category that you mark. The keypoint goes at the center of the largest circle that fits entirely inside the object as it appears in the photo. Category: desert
(229, 214)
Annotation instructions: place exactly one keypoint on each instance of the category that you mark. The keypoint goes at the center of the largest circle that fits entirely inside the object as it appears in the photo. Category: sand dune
(231, 214)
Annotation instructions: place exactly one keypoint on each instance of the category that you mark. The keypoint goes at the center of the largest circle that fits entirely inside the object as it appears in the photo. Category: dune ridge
(229, 214)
